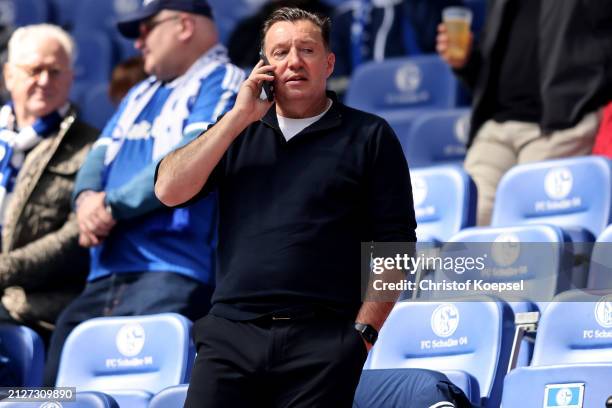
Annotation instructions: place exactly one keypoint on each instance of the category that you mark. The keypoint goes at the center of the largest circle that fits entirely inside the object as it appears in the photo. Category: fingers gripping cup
(457, 21)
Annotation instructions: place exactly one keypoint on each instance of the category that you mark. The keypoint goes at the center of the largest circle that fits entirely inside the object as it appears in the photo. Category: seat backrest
(146, 353)
(400, 83)
(97, 107)
(449, 335)
(64, 12)
(23, 355)
(537, 257)
(102, 15)
(171, 397)
(559, 192)
(444, 201)
(600, 271)
(23, 12)
(437, 137)
(94, 56)
(576, 328)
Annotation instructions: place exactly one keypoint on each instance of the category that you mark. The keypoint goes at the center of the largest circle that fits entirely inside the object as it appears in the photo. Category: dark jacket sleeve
(390, 191)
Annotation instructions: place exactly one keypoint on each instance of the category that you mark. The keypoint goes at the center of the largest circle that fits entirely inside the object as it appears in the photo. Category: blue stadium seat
(97, 15)
(398, 85)
(572, 362)
(94, 57)
(63, 12)
(22, 354)
(437, 137)
(559, 192)
(101, 17)
(171, 397)
(538, 255)
(80, 90)
(449, 336)
(134, 358)
(86, 399)
(97, 107)
(444, 201)
(600, 272)
(23, 12)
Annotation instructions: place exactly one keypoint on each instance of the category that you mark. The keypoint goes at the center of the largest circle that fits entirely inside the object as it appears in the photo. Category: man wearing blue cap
(144, 258)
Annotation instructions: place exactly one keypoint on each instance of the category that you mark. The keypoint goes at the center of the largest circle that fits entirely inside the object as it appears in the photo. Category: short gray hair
(38, 32)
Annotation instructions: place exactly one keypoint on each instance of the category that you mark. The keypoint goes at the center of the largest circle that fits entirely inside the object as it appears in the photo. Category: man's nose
(294, 60)
(43, 77)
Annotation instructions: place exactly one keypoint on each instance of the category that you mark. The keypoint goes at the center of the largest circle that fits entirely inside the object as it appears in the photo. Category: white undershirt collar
(291, 127)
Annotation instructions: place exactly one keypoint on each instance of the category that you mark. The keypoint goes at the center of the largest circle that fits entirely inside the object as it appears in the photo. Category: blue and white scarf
(167, 129)
(14, 144)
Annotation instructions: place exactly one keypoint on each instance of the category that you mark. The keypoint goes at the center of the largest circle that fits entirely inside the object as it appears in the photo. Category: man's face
(39, 79)
(157, 42)
(302, 64)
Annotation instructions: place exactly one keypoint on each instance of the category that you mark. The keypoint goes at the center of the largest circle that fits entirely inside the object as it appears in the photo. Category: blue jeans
(128, 294)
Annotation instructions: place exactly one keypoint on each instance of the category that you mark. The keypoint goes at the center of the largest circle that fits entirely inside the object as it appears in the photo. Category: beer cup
(457, 21)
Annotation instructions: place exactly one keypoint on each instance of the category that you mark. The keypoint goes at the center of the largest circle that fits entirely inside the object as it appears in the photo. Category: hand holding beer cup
(454, 39)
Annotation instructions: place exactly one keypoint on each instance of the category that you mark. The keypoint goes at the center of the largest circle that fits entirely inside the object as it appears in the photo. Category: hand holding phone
(267, 87)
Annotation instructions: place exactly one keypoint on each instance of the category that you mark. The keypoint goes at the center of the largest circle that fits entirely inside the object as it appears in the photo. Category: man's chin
(40, 110)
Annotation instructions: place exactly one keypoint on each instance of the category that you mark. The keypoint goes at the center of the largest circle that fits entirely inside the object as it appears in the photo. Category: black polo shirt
(292, 214)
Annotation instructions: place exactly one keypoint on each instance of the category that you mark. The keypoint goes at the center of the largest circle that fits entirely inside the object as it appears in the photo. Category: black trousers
(306, 362)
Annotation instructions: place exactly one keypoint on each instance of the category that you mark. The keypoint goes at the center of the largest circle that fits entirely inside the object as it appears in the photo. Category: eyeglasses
(147, 26)
(35, 72)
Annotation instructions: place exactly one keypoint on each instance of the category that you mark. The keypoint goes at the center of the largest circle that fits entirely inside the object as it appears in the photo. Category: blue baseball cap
(129, 24)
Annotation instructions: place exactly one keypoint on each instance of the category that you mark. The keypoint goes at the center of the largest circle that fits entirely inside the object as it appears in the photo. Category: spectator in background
(125, 75)
(6, 30)
(42, 145)
(539, 76)
(146, 258)
(366, 30)
(245, 41)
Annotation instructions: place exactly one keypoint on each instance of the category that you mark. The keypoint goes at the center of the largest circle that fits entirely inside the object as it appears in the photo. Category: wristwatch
(368, 332)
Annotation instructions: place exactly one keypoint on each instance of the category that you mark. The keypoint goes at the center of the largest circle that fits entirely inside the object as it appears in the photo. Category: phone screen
(267, 87)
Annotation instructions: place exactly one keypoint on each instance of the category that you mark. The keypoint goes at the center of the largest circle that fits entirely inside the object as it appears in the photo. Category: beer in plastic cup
(457, 21)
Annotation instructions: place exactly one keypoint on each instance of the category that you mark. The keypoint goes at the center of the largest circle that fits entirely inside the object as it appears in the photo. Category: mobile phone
(267, 87)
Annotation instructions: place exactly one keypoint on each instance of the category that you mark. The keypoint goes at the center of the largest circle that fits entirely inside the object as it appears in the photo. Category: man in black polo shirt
(301, 183)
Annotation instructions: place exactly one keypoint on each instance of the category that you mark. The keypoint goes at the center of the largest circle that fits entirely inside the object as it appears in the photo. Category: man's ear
(187, 27)
(331, 61)
(9, 77)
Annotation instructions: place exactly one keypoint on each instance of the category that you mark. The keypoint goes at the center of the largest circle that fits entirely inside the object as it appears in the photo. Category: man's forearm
(374, 313)
(183, 173)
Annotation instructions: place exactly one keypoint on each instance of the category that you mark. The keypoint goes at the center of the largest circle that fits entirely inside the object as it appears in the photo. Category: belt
(296, 314)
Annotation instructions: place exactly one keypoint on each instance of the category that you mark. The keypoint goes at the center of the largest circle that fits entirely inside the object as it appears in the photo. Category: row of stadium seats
(558, 192)
(572, 358)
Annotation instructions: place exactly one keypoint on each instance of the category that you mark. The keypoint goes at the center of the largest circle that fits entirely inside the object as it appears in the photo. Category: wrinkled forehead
(288, 32)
